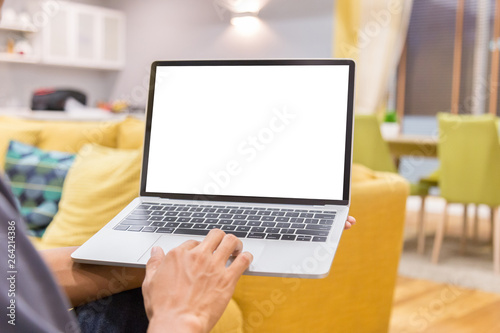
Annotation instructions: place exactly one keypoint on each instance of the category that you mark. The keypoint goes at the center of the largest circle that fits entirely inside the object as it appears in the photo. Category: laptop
(258, 148)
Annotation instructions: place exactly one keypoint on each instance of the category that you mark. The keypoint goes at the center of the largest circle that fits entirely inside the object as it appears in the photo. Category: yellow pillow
(18, 131)
(70, 136)
(101, 182)
(360, 173)
(130, 134)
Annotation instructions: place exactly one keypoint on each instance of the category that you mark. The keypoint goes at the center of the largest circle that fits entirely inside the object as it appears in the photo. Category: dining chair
(371, 150)
(469, 154)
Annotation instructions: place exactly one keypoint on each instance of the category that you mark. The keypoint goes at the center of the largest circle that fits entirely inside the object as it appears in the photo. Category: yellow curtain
(372, 32)
(347, 17)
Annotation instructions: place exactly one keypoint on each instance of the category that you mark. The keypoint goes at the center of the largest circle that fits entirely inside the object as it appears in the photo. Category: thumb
(157, 255)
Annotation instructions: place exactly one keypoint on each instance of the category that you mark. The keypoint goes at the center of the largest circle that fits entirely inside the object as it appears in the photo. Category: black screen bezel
(230, 198)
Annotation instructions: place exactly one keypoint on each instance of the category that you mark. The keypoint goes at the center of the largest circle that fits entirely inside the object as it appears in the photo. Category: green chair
(371, 150)
(469, 153)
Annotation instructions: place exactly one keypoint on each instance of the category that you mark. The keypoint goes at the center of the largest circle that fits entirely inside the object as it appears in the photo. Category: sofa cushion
(15, 130)
(70, 136)
(37, 178)
(100, 184)
(130, 134)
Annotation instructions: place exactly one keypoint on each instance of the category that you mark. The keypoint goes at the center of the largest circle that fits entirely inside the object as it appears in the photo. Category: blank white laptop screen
(260, 131)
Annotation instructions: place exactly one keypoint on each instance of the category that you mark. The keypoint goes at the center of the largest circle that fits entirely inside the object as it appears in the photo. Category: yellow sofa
(355, 297)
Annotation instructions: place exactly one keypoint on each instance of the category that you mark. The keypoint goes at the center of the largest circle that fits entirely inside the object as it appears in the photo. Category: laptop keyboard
(243, 222)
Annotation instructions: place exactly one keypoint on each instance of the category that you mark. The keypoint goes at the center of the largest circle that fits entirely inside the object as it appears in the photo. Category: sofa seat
(355, 297)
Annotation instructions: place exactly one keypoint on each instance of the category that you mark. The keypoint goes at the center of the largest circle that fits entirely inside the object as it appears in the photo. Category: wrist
(173, 324)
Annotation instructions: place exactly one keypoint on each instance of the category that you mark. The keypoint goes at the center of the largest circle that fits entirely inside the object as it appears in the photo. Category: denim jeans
(123, 312)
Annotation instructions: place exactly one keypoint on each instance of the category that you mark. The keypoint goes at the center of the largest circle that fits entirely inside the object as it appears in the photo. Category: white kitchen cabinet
(84, 36)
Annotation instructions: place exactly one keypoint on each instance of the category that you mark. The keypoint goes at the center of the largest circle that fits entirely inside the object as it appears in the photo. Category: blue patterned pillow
(37, 178)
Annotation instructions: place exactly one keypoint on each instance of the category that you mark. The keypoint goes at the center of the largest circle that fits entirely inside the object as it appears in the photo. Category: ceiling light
(246, 23)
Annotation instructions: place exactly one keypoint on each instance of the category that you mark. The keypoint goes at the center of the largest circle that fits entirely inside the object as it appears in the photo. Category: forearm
(84, 283)
(165, 323)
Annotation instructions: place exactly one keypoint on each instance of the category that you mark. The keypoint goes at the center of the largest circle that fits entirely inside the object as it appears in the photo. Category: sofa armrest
(357, 295)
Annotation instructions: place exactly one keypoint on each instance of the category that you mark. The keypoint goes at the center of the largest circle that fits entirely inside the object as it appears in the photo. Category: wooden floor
(425, 306)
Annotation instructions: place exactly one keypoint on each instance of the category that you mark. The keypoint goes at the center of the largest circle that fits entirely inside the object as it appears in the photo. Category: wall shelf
(19, 58)
(16, 27)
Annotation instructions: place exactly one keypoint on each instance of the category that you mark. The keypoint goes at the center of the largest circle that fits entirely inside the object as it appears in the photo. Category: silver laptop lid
(265, 131)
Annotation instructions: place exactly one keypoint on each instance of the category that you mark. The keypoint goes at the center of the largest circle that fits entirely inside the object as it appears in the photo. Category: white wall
(198, 29)
(179, 29)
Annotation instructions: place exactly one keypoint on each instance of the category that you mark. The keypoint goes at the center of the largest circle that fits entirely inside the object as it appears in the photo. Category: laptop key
(137, 217)
(260, 235)
(297, 219)
(212, 216)
(268, 218)
(273, 230)
(276, 213)
(225, 221)
(298, 226)
(243, 228)
(199, 226)
(311, 232)
(255, 223)
(302, 238)
(324, 216)
(239, 222)
(282, 219)
(156, 218)
(185, 225)
(307, 215)
(228, 227)
(273, 236)
(258, 229)
(184, 219)
(240, 217)
(135, 222)
(213, 226)
(211, 220)
(319, 239)
(165, 230)
(173, 224)
(311, 221)
(157, 224)
(226, 216)
(135, 228)
(318, 227)
(170, 219)
(263, 212)
(121, 227)
(326, 222)
(198, 220)
(253, 217)
(157, 212)
(149, 229)
(269, 224)
(236, 211)
(170, 213)
(198, 215)
(156, 208)
(239, 234)
(288, 237)
(222, 210)
(283, 225)
(292, 214)
(185, 214)
(287, 231)
(202, 232)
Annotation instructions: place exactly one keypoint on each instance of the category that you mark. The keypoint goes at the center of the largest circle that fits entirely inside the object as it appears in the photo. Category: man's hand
(188, 289)
(349, 223)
